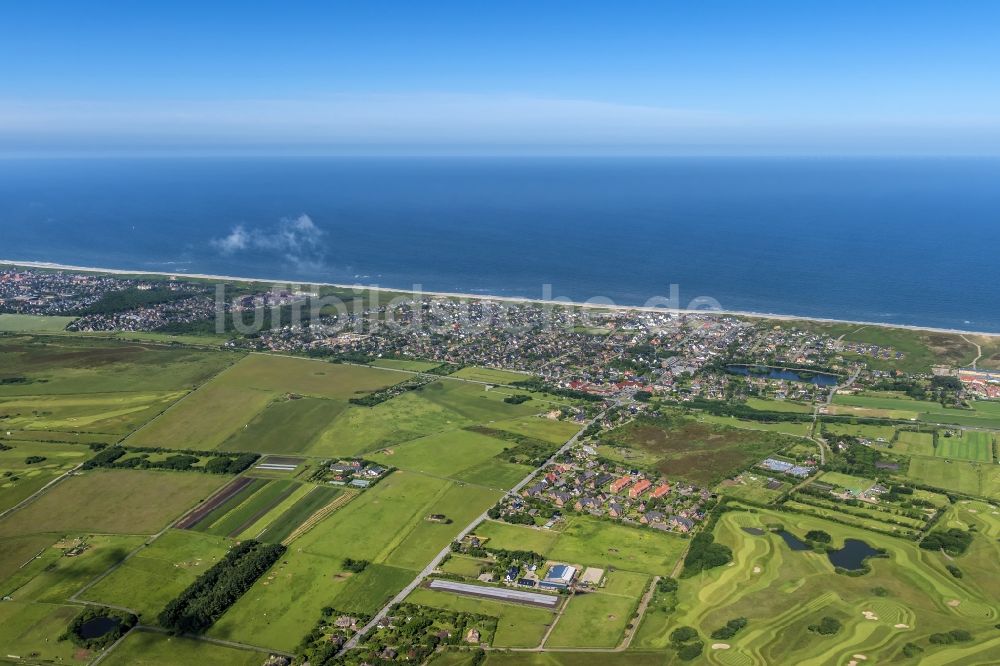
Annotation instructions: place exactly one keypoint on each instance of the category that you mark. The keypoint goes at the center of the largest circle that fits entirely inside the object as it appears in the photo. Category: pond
(756, 531)
(98, 626)
(793, 541)
(853, 555)
(817, 378)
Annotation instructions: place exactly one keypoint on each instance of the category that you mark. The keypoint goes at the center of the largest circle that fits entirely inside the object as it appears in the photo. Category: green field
(66, 365)
(971, 478)
(111, 414)
(159, 572)
(404, 364)
(145, 648)
(27, 628)
(285, 426)
(872, 432)
(440, 406)
(20, 323)
(914, 443)
(545, 429)
(982, 414)
(490, 375)
(111, 502)
(968, 445)
(230, 403)
(853, 483)
(444, 454)
(369, 590)
(781, 427)
(26, 479)
(779, 406)
(589, 541)
(594, 619)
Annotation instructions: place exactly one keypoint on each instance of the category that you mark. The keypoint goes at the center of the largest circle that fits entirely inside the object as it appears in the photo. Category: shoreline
(488, 297)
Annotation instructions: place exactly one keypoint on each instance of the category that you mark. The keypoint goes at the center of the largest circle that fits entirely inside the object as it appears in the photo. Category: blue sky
(767, 77)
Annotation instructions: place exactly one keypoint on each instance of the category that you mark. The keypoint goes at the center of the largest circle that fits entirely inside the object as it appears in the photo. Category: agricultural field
(779, 406)
(752, 487)
(792, 428)
(111, 502)
(855, 484)
(701, 453)
(905, 598)
(158, 572)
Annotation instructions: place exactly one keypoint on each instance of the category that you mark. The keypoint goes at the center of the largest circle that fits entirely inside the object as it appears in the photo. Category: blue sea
(908, 241)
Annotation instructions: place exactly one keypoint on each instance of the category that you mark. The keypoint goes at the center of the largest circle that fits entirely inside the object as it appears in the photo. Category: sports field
(782, 592)
(914, 443)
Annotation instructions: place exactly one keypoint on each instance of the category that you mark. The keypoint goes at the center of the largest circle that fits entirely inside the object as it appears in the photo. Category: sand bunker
(756, 569)
(862, 657)
(869, 615)
(954, 602)
(973, 511)
(720, 646)
(901, 626)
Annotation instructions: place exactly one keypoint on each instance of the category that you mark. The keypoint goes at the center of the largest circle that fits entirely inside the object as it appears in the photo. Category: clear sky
(666, 77)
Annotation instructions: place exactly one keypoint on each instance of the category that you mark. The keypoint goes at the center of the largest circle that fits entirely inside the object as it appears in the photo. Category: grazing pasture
(146, 648)
(111, 502)
(545, 429)
(914, 443)
(111, 414)
(404, 364)
(981, 414)
(25, 479)
(368, 591)
(159, 572)
(79, 365)
(29, 628)
(589, 541)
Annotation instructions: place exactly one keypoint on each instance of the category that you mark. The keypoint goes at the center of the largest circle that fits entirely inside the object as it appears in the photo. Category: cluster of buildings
(605, 490)
(981, 383)
(785, 467)
(356, 473)
(29, 291)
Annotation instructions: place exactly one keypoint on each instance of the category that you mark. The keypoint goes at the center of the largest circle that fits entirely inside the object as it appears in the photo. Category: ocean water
(909, 241)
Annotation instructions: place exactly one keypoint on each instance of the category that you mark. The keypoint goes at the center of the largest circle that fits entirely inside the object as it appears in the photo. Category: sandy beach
(483, 297)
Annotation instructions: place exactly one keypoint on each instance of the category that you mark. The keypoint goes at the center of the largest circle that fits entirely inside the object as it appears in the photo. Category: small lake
(817, 378)
(756, 531)
(98, 626)
(793, 541)
(852, 556)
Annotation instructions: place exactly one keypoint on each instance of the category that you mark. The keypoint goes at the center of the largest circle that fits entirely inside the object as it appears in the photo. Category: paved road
(354, 640)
